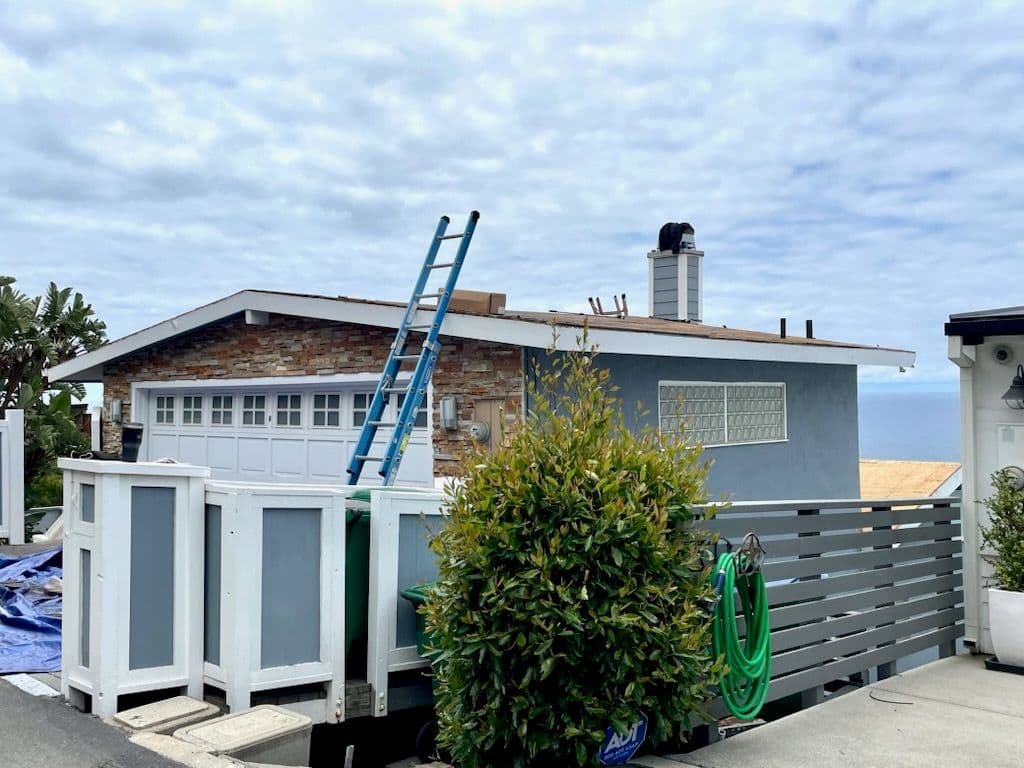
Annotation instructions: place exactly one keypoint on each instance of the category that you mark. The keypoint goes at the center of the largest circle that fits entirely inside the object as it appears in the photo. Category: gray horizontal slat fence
(853, 584)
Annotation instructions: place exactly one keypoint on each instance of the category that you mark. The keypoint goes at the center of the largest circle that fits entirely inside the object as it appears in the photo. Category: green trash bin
(426, 737)
(357, 568)
(418, 594)
(357, 565)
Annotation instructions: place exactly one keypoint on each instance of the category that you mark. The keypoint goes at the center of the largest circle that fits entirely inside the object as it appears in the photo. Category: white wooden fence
(12, 477)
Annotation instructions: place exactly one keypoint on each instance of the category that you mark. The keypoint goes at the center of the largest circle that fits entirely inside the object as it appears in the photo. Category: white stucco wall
(991, 437)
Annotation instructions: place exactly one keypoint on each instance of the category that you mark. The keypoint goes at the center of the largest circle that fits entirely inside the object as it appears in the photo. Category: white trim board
(505, 330)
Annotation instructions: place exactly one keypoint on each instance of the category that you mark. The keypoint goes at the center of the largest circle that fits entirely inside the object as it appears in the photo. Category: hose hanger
(744, 682)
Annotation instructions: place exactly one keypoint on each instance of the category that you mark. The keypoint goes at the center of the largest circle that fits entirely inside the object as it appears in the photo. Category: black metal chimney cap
(671, 235)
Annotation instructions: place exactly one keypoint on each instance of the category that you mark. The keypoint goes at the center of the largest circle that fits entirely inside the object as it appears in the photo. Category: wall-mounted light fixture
(1014, 396)
(115, 411)
(449, 414)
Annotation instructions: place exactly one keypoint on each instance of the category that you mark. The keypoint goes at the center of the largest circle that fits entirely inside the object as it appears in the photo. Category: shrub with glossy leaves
(1005, 533)
(570, 583)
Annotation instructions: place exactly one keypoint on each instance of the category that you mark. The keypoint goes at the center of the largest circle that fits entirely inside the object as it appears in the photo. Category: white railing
(12, 477)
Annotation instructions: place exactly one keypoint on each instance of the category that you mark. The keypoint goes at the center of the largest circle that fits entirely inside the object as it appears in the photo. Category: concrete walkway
(47, 733)
(952, 712)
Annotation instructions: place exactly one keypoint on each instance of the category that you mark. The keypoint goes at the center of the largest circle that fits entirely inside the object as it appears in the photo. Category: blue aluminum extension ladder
(416, 389)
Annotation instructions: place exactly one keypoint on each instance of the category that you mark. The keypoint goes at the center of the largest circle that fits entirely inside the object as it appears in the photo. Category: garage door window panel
(360, 405)
(289, 410)
(421, 414)
(165, 409)
(326, 410)
(222, 409)
(192, 409)
(254, 410)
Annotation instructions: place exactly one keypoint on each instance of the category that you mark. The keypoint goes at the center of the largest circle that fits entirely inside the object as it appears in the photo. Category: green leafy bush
(1005, 533)
(47, 490)
(570, 584)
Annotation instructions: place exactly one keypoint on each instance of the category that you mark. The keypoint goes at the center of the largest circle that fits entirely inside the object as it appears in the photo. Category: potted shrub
(568, 614)
(1005, 536)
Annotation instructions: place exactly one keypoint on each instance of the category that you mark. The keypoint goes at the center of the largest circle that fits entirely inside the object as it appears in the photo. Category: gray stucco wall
(819, 460)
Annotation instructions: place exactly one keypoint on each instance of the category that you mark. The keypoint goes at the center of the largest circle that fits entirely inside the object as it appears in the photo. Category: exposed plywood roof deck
(901, 479)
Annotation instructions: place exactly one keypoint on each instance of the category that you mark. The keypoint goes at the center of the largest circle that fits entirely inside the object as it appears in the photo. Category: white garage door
(275, 433)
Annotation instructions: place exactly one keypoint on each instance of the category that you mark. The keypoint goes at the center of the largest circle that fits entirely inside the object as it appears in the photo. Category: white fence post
(400, 557)
(12, 472)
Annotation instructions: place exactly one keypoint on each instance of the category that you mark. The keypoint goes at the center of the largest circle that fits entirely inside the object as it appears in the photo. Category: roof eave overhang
(977, 329)
(523, 333)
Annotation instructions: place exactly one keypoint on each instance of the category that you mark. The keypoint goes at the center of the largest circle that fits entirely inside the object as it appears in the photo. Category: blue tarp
(30, 612)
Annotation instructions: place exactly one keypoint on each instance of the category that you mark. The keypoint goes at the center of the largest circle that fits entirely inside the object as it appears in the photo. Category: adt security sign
(620, 747)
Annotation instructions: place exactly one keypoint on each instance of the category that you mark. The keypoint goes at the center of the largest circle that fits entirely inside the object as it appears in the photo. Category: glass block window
(222, 408)
(254, 410)
(756, 412)
(192, 409)
(696, 410)
(421, 415)
(289, 410)
(723, 414)
(360, 405)
(165, 409)
(326, 410)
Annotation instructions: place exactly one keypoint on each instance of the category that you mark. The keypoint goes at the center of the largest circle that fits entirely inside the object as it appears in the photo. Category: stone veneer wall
(291, 346)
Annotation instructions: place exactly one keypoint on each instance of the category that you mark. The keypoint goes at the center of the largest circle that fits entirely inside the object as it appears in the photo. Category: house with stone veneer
(273, 387)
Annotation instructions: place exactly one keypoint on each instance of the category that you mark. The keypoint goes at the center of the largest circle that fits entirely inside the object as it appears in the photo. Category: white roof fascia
(501, 330)
(982, 314)
(950, 484)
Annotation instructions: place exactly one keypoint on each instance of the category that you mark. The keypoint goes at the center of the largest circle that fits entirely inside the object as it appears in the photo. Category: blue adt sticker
(620, 747)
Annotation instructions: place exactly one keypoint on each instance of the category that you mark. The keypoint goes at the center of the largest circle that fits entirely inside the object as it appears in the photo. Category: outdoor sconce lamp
(115, 411)
(449, 415)
(1014, 396)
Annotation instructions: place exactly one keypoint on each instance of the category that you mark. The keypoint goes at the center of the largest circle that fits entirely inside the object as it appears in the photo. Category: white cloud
(858, 164)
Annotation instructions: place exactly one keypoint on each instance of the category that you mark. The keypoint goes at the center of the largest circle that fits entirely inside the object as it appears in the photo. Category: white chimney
(675, 272)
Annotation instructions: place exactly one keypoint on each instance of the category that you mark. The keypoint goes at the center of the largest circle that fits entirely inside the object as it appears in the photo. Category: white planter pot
(1006, 622)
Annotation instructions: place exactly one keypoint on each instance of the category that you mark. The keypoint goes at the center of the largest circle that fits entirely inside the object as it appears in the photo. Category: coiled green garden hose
(744, 684)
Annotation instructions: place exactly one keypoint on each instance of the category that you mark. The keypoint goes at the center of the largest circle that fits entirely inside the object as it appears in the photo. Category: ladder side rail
(394, 363)
(425, 367)
(407, 420)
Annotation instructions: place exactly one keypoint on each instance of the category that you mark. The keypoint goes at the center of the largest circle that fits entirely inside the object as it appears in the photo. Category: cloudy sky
(860, 164)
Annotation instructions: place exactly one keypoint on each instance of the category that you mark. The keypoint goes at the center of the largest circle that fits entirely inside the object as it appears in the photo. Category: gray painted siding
(151, 586)
(290, 628)
(88, 503)
(820, 458)
(692, 289)
(211, 585)
(666, 288)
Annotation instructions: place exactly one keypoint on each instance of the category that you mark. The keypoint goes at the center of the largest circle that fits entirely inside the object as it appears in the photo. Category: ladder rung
(390, 390)
(369, 458)
(452, 237)
(407, 357)
(419, 327)
(442, 266)
(434, 295)
(384, 423)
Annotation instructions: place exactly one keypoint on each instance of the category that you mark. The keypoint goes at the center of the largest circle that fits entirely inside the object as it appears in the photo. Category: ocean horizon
(917, 425)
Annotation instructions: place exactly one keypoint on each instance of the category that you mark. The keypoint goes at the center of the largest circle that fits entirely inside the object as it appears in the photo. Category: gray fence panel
(837, 542)
(735, 526)
(802, 681)
(798, 613)
(854, 583)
